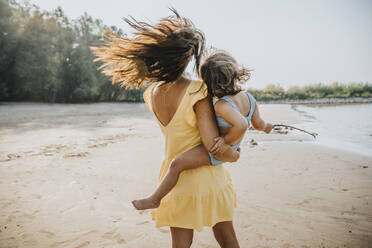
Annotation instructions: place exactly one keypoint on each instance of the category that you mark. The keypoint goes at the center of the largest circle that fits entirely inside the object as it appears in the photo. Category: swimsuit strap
(228, 99)
(222, 123)
(251, 111)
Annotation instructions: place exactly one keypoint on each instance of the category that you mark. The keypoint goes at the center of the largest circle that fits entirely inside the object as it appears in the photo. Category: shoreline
(320, 101)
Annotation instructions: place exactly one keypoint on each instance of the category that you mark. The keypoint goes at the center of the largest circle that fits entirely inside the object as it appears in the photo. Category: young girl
(234, 109)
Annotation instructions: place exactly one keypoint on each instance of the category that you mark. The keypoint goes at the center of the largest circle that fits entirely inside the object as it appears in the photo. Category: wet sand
(69, 172)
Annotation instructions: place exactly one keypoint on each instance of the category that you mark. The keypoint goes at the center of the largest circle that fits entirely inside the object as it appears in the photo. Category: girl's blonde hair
(221, 73)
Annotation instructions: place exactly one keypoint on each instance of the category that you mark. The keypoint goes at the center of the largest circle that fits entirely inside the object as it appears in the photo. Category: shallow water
(347, 127)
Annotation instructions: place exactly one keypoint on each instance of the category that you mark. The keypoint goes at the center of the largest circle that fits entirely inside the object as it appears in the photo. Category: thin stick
(299, 129)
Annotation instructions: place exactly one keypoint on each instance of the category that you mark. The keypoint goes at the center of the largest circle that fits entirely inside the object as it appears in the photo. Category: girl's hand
(219, 146)
(268, 127)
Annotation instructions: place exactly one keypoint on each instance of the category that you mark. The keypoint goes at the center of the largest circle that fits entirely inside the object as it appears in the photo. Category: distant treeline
(45, 56)
(315, 91)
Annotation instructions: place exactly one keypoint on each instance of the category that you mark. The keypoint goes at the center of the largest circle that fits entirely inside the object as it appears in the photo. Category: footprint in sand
(6, 204)
(92, 208)
(26, 235)
(116, 219)
(31, 242)
(143, 222)
(113, 235)
(288, 246)
(51, 150)
(163, 230)
(83, 244)
(63, 243)
(76, 155)
(244, 225)
(30, 216)
(98, 145)
(108, 235)
(264, 237)
(10, 156)
(143, 211)
(10, 218)
(48, 234)
(36, 196)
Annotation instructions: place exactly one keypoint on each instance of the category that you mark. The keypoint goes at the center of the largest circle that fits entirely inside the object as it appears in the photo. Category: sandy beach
(69, 172)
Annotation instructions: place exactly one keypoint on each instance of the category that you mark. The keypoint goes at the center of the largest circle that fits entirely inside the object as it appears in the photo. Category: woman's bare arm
(209, 131)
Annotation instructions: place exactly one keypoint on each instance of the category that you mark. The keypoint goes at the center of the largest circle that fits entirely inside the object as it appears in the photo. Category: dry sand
(69, 172)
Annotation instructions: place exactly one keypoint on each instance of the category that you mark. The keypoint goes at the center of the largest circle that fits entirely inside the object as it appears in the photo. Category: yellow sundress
(203, 196)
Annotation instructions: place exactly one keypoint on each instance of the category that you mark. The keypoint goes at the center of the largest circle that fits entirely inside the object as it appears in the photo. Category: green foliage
(315, 91)
(271, 92)
(46, 57)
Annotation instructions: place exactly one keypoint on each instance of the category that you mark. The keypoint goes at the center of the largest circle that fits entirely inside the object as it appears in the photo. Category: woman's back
(166, 99)
(173, 109)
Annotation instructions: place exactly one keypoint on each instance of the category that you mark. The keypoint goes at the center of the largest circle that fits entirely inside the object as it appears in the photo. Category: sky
(285, 42)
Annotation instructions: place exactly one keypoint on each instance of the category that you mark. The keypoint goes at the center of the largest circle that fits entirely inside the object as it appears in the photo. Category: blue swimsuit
(222, 123)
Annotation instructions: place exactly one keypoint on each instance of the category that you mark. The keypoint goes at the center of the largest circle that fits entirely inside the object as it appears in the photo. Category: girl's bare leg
(225, 235)
(181, 237)
(191, 159)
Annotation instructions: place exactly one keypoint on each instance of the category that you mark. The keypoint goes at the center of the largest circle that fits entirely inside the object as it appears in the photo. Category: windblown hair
(221, 73)
(156, 53)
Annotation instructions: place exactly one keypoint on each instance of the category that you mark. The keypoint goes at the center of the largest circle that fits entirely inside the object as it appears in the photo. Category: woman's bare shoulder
(197, 91)
(147, 96)
(196, 85)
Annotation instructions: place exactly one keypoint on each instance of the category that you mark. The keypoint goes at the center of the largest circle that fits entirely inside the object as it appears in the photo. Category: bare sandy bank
(67, 177)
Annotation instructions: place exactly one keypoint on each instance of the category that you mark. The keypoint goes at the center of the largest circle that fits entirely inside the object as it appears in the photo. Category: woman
(160, 53)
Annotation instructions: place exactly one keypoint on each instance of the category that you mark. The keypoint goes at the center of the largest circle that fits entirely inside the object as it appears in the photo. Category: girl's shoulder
(228, 100)
(224, 104)
(243, 96)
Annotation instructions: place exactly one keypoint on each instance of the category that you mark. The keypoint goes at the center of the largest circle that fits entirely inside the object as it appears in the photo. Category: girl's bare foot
(146, 203)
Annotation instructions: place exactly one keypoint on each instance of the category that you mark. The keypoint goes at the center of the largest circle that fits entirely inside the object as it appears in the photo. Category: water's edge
(331, 101)
(340, 126)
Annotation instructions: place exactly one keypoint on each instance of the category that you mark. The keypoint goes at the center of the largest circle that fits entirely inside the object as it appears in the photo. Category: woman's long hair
(156, 53)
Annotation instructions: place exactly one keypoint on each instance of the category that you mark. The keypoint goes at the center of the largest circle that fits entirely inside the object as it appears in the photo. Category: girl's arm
(209, 131)
(258, 123)
(238, 123)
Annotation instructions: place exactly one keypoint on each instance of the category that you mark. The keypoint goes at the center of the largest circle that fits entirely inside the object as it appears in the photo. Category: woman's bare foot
(146, 203)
